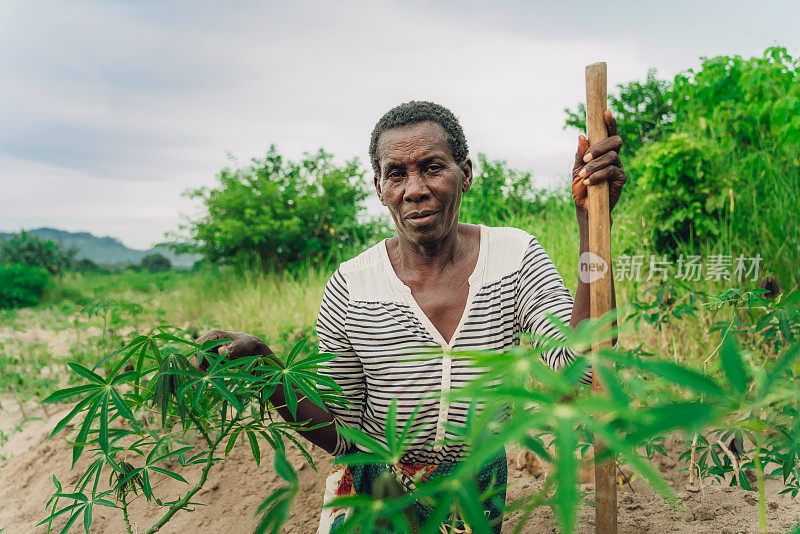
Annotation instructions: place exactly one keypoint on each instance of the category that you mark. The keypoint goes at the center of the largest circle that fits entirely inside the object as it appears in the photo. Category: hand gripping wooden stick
(600, 289)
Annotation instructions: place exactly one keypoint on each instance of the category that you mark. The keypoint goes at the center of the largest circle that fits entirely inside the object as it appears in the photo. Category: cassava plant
(647, 396)
(153, 414)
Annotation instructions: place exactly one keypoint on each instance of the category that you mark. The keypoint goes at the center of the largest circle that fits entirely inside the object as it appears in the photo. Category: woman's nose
(416, 189)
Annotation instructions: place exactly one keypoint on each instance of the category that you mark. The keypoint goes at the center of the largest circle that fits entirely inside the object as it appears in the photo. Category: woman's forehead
(413, 142)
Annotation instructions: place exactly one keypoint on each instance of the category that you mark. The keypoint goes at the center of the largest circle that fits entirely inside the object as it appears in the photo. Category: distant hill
(107, 251)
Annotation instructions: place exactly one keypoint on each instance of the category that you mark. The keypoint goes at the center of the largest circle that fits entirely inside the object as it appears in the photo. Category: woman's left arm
(592, 166)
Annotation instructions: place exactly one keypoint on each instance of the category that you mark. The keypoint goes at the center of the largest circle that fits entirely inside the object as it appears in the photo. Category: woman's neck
(425, 260)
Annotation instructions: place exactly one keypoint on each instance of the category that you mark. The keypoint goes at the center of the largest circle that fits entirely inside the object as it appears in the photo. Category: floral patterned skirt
(361, 479)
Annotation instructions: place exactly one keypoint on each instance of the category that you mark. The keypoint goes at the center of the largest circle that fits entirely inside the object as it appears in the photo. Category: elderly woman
(436, 285)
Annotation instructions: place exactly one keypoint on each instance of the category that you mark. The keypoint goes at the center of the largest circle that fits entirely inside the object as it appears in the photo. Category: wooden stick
(600, 289)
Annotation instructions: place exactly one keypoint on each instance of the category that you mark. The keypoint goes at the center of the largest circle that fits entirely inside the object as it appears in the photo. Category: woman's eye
(434, 168)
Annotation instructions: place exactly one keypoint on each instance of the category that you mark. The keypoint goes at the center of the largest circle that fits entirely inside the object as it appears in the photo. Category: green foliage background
(276, 213)
(712, 159)
(29, 249)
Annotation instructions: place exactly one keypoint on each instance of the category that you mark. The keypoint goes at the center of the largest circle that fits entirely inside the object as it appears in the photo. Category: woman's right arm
(243, 345)
(344, 368)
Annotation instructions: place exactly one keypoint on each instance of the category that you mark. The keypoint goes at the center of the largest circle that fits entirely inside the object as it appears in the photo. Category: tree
(644, 112)
(501, 196)
(28, 249)
(85, 265)
(712, 158)
(747, 110)
(155, 262)
(276, 213)
(679, 188)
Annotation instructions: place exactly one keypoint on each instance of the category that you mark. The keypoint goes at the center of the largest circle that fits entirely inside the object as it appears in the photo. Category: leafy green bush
(730, 130)
(22, 285)
(749, 111)
(680, 196)
(85, 265)
(64, 293)
(643, 110)
(745, 102)
(31, 250)
(500, 195)
(276, 213)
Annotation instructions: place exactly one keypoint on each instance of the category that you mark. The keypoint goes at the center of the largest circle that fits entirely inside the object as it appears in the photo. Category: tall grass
(556, 229)
(278, 306)
(764, 214)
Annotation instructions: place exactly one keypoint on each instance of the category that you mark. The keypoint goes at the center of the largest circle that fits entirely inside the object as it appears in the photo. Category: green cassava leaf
(103, 434)
(220, 386)
(787, 359)
(123, 409)
(169, 473)
(63, 394)
(680, 375)
(295, 351)
(71, 415)
(254, 447)
(565, 500)
(289, 396)
(80, 441)
(86, 373)
(733, 364)
(232, 441)
(284, 469)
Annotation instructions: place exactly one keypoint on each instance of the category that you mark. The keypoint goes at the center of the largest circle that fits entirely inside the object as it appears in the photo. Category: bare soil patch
(237, 486)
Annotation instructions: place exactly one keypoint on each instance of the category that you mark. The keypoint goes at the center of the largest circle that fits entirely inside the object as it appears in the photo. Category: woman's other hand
(598, 163)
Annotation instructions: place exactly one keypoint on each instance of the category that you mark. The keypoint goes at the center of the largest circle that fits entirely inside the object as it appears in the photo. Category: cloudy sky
(109, 110)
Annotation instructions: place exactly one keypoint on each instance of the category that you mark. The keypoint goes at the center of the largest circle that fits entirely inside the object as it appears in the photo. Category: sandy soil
(58, 342)
(237, 486)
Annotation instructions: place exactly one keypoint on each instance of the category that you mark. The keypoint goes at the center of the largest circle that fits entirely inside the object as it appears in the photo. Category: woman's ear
(376, 181)
(466, 168)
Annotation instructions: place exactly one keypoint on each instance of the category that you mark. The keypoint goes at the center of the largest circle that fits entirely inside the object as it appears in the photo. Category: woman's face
(420, 181)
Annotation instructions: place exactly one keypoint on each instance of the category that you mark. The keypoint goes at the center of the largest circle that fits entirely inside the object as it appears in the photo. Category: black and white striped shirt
(369, 319)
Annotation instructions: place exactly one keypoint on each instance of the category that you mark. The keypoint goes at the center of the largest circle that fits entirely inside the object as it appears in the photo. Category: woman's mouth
(421, 218)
